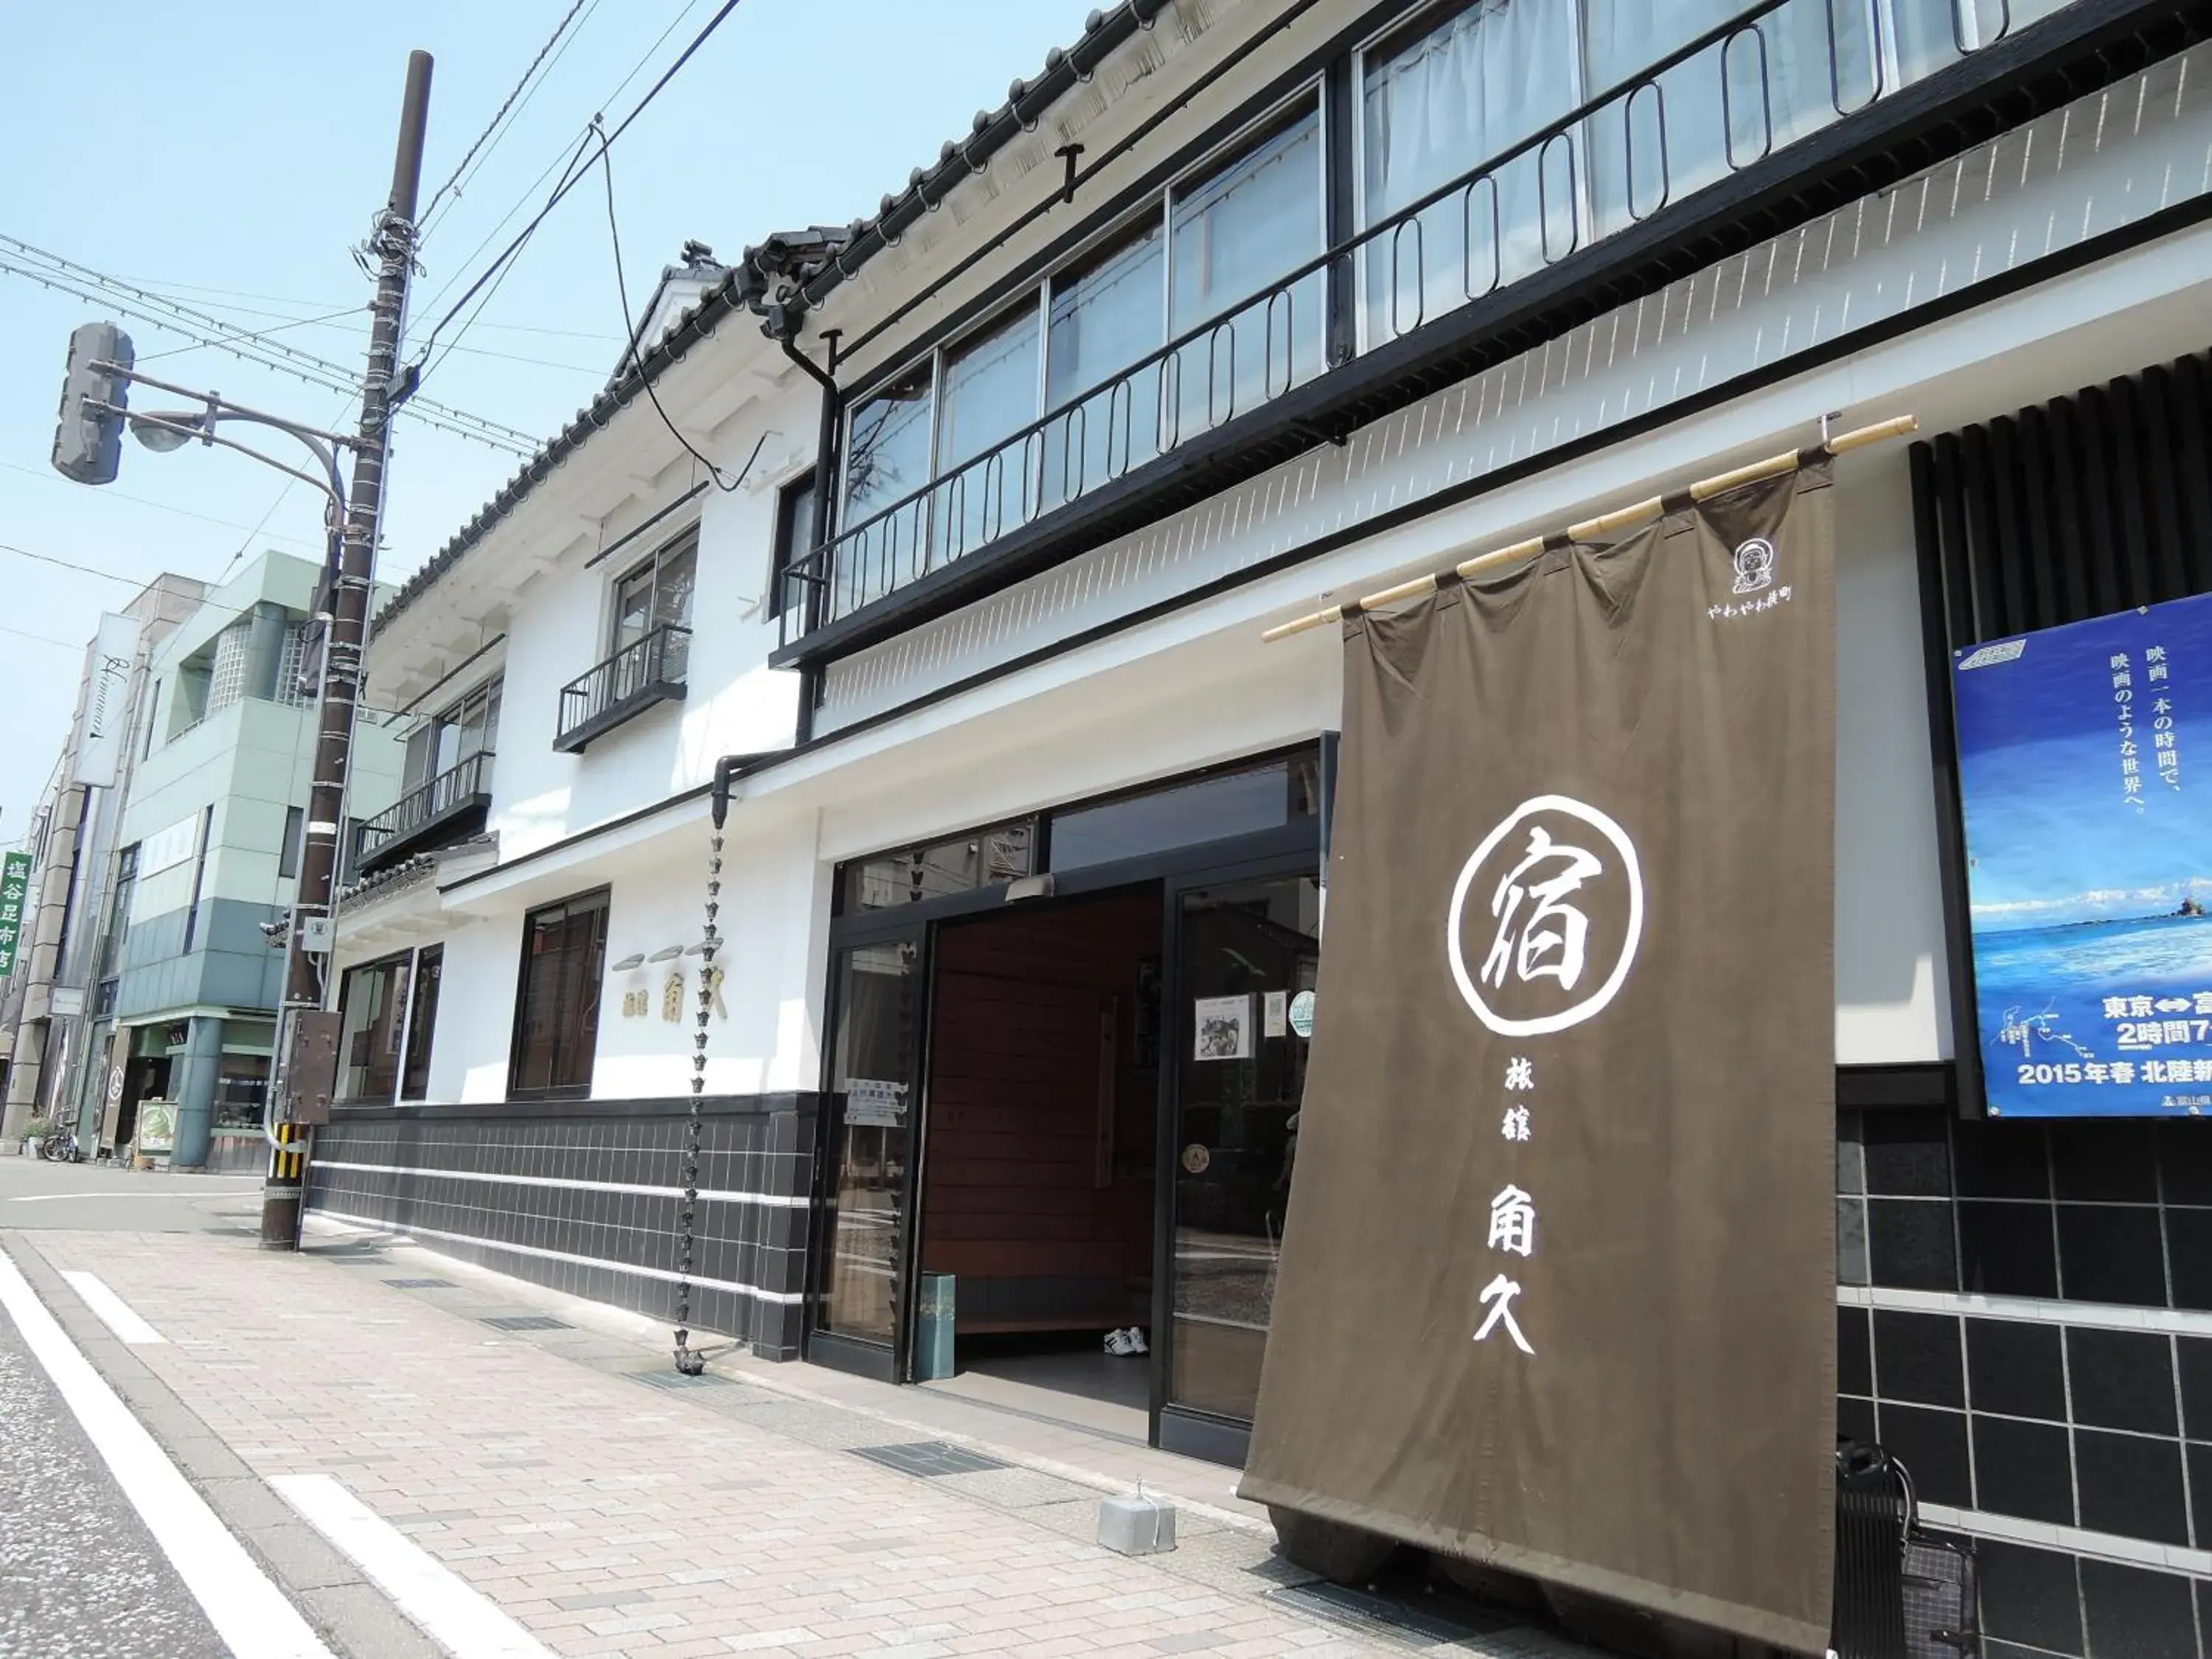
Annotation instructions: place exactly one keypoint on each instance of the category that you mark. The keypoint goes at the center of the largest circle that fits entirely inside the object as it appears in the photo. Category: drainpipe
(825, 499)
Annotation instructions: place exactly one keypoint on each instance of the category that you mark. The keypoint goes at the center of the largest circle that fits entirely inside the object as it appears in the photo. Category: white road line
(460, 1620)
(248, 1612)
(114, 1312)
(64, 1198)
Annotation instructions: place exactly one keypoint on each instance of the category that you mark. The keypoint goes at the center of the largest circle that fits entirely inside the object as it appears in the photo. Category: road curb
(349, 1612)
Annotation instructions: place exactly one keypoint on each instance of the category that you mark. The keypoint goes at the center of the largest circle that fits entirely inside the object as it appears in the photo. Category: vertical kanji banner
(1557, 1290)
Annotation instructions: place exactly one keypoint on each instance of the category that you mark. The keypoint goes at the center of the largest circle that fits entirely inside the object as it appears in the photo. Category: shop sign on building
(2089, 862)
(1575, 1056)
(100, 734)
(15, 906)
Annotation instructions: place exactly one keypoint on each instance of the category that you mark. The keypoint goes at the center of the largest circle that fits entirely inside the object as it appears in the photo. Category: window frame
(289, 849)
(404, 961)
(684, 540)
(783, 551)
(600, 898)
(489, 691)
(1159, 204)
(428, 967)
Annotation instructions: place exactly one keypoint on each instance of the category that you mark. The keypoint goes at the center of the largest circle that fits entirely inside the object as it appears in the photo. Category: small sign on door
(1275, 1013)
(874, 1101)
(1223, 1027)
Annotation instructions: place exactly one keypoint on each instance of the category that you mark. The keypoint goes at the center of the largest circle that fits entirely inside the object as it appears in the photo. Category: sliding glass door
(872, 1140)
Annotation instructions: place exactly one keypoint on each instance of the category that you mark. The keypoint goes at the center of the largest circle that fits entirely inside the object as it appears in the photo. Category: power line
(52, 271)
(89, 570)
(262, 333)
(45, 639)
(226, 295)
(573, 175)
(637, 329)
(110, 493)
(329, 320)
(499, 114)
(530, 190)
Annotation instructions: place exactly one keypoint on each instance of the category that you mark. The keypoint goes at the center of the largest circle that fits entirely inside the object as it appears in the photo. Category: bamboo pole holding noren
(1606, 523)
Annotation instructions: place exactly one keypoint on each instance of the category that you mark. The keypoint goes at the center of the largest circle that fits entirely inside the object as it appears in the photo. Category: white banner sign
(100, 733)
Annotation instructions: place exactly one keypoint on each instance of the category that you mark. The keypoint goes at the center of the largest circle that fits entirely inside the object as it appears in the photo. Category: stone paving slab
(610, 1517)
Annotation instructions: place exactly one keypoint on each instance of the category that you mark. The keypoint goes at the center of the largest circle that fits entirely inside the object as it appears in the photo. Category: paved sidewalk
(615, 1509)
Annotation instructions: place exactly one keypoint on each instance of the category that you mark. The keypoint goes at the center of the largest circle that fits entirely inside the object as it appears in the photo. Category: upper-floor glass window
(796, 536)
(887, 454)
(1105, 314)
(1233, 233)
(119, 909)
(988, 391)
(1058, 358)
(1470, 101)
(657, 593)
(468, 726)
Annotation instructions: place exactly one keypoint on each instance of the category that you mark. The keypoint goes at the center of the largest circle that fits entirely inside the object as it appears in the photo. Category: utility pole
(393, 241)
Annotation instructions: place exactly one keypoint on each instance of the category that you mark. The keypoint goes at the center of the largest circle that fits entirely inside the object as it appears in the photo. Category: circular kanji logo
(1556, 917)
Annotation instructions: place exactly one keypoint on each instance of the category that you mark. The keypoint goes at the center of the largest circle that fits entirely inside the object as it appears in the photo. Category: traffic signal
(88, 438)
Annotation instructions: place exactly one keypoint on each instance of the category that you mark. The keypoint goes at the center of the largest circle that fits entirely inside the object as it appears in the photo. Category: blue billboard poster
(2085, 765)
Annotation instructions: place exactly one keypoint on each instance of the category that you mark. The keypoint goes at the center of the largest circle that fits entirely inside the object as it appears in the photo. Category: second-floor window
(468, 726)
(794, 539)
(1217, 238)
(656, 594)
(119, 911)
(1488, 140)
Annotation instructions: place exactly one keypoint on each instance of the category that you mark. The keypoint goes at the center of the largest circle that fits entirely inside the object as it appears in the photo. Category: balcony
(623, 687)
(1763, 121)
(449, 806)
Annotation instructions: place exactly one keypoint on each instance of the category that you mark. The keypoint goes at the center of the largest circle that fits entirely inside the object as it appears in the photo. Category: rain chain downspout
(689, 1360)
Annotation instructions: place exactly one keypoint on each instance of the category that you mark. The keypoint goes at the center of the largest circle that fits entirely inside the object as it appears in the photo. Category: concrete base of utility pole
(280, 1215)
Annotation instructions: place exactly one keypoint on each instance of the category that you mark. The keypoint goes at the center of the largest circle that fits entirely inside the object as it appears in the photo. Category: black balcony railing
(626, 684)
(449, 805)
(1776, 72)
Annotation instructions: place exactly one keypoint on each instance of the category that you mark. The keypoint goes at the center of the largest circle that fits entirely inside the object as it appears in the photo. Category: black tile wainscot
(584, 1196)
(2025, 1319)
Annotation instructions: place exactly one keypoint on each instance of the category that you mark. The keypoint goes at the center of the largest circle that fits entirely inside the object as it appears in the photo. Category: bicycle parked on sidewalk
(60, 1145)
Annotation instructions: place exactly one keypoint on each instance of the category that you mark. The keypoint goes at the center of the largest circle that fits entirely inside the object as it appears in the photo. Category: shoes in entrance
(1124, 1343)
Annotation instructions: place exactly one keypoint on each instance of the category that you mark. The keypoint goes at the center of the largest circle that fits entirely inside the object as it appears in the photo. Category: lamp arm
(201, 430)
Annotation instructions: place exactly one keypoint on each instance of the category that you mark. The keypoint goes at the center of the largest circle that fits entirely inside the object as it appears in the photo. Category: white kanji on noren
(1513, 1221)
(1498, 1296)
(1516, 1125)
(1520, 1073)
(1548, 938)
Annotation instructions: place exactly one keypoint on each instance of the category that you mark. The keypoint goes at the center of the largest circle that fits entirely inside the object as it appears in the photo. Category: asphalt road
(79, 1575)
(86, 1198)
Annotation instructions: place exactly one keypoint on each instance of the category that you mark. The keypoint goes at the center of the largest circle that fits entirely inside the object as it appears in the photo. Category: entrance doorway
(1064, 1065)
(1039, 1173)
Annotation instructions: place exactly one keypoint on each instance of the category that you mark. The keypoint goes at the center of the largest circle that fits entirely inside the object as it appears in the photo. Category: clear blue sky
(231, 153)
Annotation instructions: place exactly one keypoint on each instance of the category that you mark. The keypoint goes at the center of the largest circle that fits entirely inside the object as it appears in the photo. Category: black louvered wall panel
(2077, 507)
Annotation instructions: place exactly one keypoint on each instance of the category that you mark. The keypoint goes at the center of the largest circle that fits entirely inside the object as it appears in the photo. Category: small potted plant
(34, 1132)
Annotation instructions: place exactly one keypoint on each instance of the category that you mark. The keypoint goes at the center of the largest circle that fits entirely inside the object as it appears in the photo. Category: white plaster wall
(773, 891)
(1892, 999)
(1166, 701)
(736, 703)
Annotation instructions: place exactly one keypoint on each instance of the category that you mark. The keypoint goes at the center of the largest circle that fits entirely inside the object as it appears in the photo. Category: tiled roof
(780, 277)
(408, 873)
